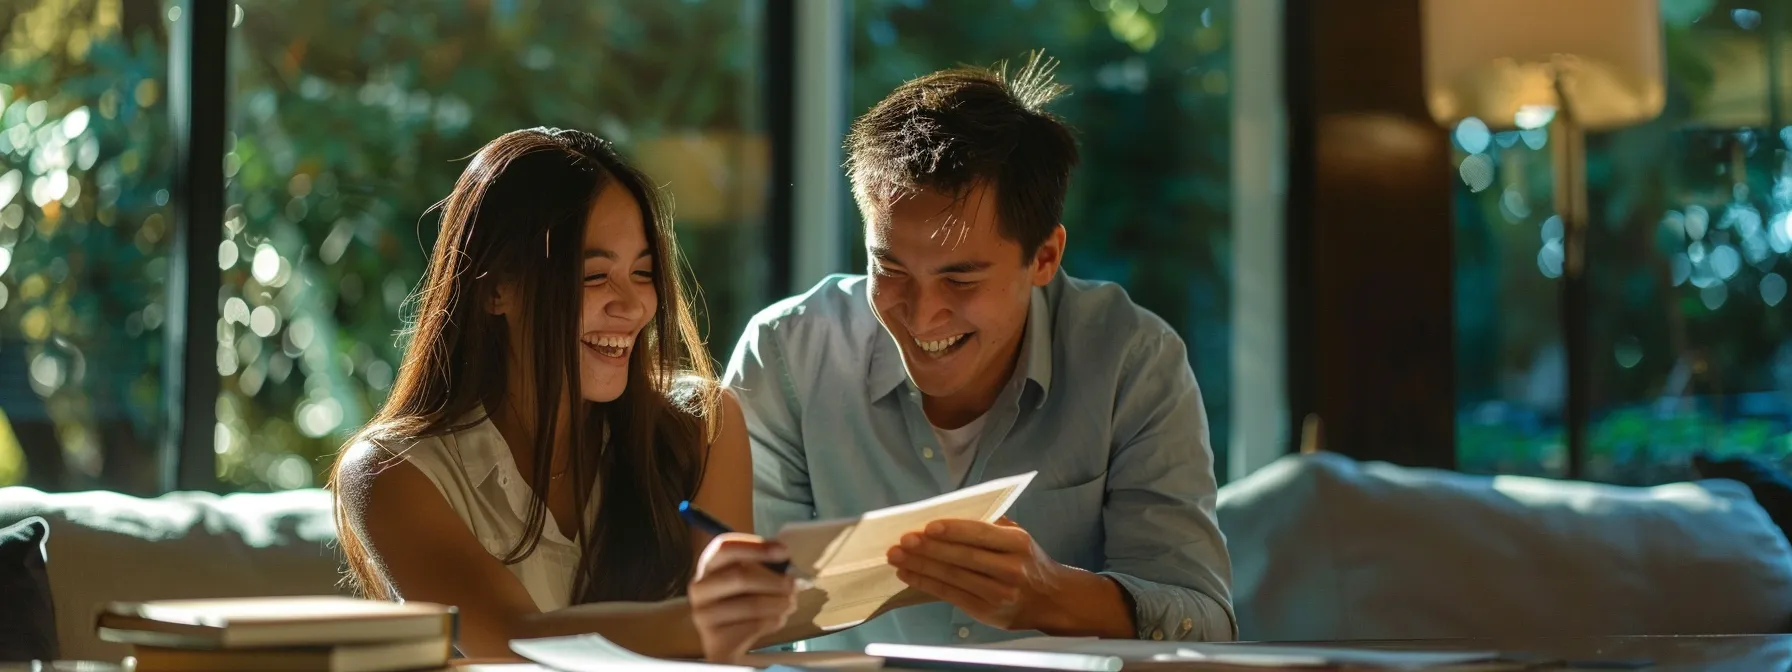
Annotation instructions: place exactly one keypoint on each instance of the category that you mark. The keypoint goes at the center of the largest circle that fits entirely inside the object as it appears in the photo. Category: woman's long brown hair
(518, 213)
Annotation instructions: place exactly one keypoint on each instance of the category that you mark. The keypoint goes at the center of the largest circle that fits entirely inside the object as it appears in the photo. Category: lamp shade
(1498, 60)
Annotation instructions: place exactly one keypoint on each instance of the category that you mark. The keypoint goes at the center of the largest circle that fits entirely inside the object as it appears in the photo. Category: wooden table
(1727, 653)
(1688, 653)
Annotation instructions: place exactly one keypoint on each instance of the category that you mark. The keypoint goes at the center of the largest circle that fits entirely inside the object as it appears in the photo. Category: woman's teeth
(939, 347)
(610, 346)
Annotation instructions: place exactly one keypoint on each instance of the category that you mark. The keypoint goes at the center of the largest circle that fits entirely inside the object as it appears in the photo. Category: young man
(964, 356)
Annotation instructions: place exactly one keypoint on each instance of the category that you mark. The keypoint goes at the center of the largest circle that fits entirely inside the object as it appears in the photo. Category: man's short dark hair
(948, 131)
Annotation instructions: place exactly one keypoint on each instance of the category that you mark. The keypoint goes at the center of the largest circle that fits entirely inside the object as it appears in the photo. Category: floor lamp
(1572, 66)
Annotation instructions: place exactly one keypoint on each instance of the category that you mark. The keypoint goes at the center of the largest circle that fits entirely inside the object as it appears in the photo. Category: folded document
(844, 560)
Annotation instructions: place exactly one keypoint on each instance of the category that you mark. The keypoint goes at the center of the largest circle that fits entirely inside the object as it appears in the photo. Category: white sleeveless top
(474, 470)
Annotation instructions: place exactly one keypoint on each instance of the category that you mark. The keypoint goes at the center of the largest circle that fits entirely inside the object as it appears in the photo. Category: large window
(347, 120)
(1150, 100)
(84, 223)
(350, 119)
(1689, 252)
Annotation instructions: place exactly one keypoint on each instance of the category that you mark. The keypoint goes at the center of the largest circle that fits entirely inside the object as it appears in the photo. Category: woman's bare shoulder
(384, 466)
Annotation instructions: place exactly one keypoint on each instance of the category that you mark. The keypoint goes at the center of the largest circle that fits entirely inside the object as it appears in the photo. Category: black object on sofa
(27, 614)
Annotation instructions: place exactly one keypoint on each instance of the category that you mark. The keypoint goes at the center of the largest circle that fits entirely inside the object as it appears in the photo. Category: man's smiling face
(952, 290)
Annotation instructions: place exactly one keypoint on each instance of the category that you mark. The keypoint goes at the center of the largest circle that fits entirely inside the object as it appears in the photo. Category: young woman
(551, 413)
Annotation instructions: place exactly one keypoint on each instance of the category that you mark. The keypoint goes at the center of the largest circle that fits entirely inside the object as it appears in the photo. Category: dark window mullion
(197, 100)
(780, 108)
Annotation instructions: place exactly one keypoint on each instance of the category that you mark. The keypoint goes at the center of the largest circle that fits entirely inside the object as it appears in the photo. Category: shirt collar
(480, 447)
(886, 372)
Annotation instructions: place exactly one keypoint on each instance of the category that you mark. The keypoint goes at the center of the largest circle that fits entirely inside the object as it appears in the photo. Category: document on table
(594, 653)
(843, 560)
(1144, 654)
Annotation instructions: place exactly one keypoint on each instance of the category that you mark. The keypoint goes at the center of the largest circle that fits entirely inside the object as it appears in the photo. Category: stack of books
(288, 634)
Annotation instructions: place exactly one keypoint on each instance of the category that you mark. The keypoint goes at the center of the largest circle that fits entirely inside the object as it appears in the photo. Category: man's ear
(1048, 257)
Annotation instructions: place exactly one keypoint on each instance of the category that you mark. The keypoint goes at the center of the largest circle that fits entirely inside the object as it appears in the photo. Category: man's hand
(998, 575)
(735, 599)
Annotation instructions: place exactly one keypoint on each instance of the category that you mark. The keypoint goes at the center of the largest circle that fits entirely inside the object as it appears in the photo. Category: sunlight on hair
(1033, 86)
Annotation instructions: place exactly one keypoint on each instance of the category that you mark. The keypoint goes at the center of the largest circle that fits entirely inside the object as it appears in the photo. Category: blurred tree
(349, 118)
(84, 167)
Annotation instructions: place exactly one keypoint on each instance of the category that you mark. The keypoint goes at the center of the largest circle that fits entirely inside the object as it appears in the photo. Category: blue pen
(715, 528)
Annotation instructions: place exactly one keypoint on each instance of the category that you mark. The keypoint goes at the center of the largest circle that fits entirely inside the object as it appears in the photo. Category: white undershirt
(959, 447)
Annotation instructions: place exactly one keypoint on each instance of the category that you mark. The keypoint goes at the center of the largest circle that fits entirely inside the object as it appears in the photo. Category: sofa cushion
(27, 613)
(114, 547)
(1327, 548)
(1770, 486)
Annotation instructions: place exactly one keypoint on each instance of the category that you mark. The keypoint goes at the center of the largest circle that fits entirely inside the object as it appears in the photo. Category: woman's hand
(735, 599)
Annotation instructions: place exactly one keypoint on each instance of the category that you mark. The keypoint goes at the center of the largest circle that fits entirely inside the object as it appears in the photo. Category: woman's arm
(727, 488)
(427, 554)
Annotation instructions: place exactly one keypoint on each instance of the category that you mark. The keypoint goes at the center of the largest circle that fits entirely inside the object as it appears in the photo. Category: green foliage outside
(348, 118)
(348, 121)
(85, 163)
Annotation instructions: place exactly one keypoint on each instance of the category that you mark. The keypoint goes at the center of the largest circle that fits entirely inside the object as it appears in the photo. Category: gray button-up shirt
(1103, 405)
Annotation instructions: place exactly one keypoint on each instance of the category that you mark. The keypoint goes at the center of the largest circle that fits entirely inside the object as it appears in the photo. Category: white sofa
(1323, 548)
(106, 546)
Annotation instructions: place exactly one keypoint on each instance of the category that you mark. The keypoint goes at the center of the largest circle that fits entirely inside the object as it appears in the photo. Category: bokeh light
(1549, 259)
(1628, 352)
(1472, 135)
(1698, 221)
(1714, 295)
(227, 255)
(263, 321)
(1477, 172)
(266, 264)
(1773, 289)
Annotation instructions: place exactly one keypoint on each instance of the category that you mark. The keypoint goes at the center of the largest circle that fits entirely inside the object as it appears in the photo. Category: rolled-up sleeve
(1164, 545)
(759, 376)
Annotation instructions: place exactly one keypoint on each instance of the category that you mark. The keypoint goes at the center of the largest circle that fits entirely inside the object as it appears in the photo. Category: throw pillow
(1771, 487)
(27, 616)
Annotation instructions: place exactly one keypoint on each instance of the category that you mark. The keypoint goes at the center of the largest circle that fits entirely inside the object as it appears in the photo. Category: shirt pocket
(1066, 521)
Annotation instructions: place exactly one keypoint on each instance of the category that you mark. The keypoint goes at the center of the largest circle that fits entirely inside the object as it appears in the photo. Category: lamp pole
(1569, 143)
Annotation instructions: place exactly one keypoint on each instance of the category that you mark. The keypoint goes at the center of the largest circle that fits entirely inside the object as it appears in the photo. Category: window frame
(806, 78)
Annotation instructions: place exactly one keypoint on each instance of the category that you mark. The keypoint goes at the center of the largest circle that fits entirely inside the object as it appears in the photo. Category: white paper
(850, 579)
(1291, 656)
(897, 654)
(1250, 655)
(593, 653)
